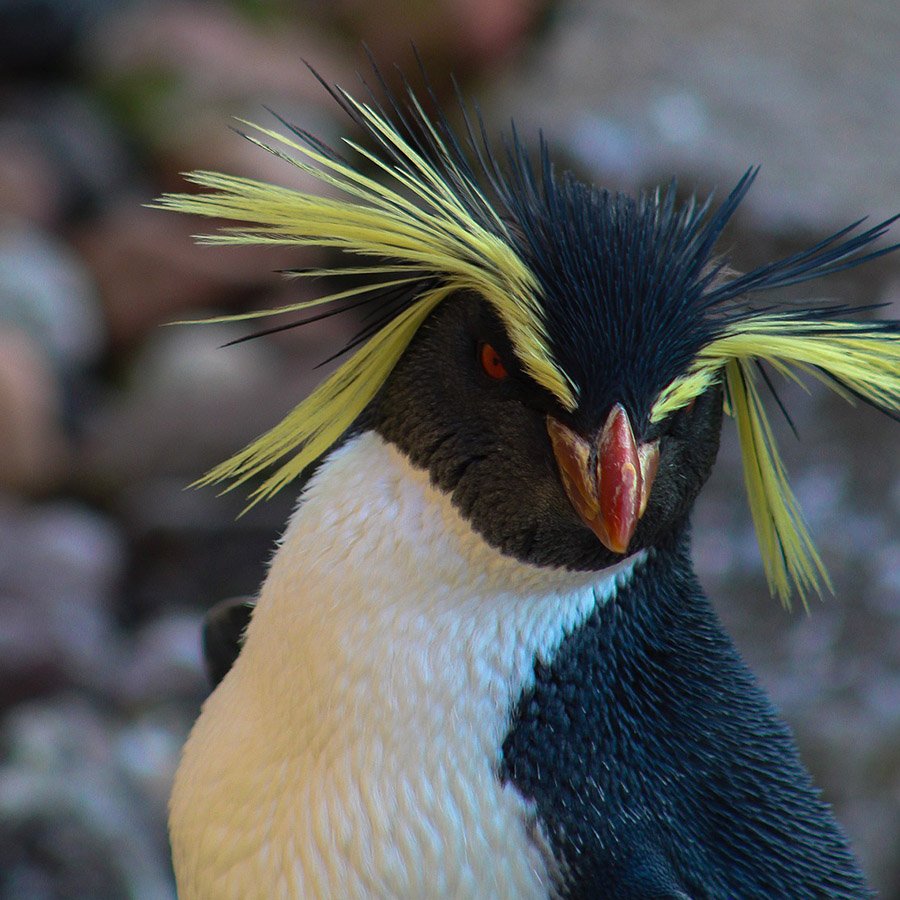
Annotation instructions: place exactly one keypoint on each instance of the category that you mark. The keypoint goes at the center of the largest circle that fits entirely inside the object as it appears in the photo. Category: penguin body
(657, 765)
(354, 748)
(480, 665)
(414, 714)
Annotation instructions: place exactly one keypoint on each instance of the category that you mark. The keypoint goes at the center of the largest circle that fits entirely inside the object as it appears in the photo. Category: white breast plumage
(352, 751)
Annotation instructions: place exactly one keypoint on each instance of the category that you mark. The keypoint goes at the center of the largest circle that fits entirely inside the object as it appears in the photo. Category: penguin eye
(491, 362)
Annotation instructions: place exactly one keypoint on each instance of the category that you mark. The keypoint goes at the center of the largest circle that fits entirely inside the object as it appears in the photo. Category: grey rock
(639, 92)
(187, 404)
(59, 567)
(73, 824)
(162, 662)
(62, 156)
(46, 292)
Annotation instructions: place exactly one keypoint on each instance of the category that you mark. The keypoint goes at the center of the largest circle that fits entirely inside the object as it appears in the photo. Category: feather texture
(851, 358)
(442, 214)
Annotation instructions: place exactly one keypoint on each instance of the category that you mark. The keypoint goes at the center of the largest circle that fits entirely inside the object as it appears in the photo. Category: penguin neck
(378, 569)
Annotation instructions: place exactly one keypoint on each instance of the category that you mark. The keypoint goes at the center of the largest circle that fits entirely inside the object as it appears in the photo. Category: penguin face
(459, 405)
(621, 329)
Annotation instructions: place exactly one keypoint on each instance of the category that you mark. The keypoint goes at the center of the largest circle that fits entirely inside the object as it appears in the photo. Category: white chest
(352, 751)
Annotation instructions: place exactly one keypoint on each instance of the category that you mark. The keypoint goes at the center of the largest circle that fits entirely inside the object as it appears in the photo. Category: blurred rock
(38, 37)
(875, 829)
(62, 157)
(468, 38)
(637, 93)
(175, 72)
(163, 660)
(60, 565)
(886, 565)
(150, 271)
(47, 293)
(50, 329)
(72, 823)
(192, 403)
(188, 400)
(33, 448)
(31, 186)
(148, 750)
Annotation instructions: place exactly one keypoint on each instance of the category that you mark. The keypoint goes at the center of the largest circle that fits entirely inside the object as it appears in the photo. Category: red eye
(491, 362)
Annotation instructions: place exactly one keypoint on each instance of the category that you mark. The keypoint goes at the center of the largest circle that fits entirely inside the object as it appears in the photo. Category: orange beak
(608, 480)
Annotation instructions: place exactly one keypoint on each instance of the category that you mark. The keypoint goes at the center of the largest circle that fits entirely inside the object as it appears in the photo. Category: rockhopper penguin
(481, 664)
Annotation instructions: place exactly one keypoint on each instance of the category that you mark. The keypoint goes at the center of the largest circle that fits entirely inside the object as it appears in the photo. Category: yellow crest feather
(849, 358)
(429, 230)
(433, 236)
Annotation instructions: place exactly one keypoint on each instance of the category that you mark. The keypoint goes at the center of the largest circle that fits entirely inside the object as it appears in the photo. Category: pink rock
(150, 270)
(33, 448)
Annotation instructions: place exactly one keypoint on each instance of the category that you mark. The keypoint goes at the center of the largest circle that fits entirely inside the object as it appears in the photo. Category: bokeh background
(107, 563)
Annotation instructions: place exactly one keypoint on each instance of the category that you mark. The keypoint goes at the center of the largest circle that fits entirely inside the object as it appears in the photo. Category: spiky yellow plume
(852, 359)
(433, 239)
(423, 227)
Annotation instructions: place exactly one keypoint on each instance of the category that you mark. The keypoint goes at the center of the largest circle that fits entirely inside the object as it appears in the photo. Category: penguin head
(553, 487)
(557, 357)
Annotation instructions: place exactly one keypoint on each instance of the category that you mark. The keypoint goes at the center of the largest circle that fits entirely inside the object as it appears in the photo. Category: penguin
(481, 664)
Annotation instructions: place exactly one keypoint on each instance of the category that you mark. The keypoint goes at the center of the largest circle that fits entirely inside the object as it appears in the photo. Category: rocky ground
(107, 563)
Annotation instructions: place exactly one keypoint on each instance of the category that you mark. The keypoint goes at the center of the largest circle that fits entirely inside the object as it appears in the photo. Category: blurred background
(107, 563)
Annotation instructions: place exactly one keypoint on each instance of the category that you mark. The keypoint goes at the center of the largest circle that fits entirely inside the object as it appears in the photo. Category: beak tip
(614, 547)
(619, 539)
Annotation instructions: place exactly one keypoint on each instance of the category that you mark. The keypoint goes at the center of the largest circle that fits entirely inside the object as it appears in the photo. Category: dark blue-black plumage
(658, 766)
(631, 288)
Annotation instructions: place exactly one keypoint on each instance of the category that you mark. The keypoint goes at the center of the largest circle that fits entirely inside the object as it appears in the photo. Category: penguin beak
(607, 480)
